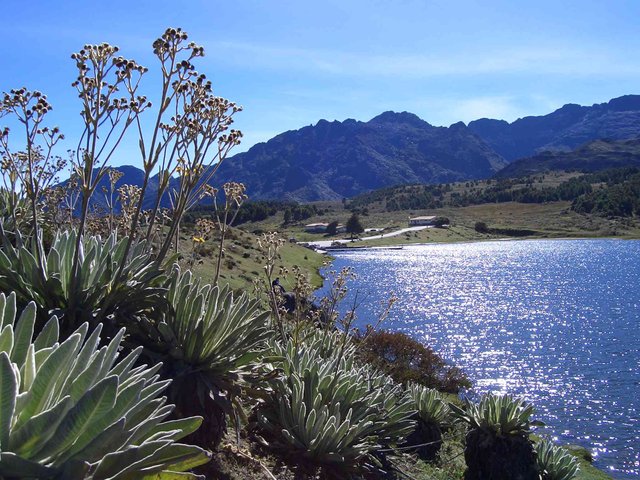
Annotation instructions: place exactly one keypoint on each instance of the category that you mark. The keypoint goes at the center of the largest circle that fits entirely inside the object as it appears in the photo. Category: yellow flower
(198, 239)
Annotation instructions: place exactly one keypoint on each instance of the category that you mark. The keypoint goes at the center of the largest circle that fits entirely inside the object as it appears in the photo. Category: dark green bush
(441, 222)
(481, 227)
(332, 228)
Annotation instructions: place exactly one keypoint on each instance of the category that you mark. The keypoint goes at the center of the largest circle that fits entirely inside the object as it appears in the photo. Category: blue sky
(291, 63)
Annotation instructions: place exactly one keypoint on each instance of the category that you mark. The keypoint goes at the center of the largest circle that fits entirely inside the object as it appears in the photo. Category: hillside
(562, 130)
(613, 192)
(591, 157)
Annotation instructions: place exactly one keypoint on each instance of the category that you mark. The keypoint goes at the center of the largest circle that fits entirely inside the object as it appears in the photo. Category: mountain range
(334, 160)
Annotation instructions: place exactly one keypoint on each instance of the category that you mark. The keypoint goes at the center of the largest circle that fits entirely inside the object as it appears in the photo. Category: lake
(553, 321)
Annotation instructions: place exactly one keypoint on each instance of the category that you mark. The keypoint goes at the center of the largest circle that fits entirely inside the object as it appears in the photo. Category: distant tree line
(295, 212)
(512, 190)
(482, 227)
(405, 197)
(621, 199)
(613, 192)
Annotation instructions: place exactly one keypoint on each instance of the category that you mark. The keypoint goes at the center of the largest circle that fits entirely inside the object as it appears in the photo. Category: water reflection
(554, 321)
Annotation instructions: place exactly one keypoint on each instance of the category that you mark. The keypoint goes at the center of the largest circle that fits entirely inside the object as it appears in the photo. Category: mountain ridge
(333, 160)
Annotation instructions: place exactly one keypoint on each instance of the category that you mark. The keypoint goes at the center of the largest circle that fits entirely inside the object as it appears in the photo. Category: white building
(316, 227)
(322, 228)
(422, 221)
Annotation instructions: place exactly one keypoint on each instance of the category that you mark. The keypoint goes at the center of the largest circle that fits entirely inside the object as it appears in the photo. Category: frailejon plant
(32, 170)
(433, 416)
(555, 463)
(498, 414)
(14, 212)
(234, 197)
(330, 412)
(209, 343)
(430, 405)
(96, 295)
(187, 132)
(188, 137)
(497, 443)
(71, 410)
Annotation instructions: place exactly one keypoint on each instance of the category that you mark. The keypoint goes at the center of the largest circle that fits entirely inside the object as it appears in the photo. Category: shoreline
(399, 246)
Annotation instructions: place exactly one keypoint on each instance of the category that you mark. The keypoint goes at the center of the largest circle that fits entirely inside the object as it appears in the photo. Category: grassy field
(243, 260)
(587, 471)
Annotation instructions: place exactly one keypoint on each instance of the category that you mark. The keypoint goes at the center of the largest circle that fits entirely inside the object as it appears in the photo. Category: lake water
(553, 321)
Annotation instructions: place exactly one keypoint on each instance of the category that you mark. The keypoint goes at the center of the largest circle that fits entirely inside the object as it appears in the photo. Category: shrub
(69, 410)
(354, 226)
(481, 227)
(555, 463)
(497, 443)
(96, 294)
(441, 222)
(329, 412)
(208, 342)
(332, 228)
(408, 361)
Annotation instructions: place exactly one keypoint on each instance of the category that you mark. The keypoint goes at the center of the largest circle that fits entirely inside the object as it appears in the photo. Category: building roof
(428, 217)
(317, 225)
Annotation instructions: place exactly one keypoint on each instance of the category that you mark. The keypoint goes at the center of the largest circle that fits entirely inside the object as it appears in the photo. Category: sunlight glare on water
(553, 321)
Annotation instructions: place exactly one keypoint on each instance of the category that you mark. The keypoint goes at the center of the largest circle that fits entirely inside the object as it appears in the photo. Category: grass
(243, 261)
